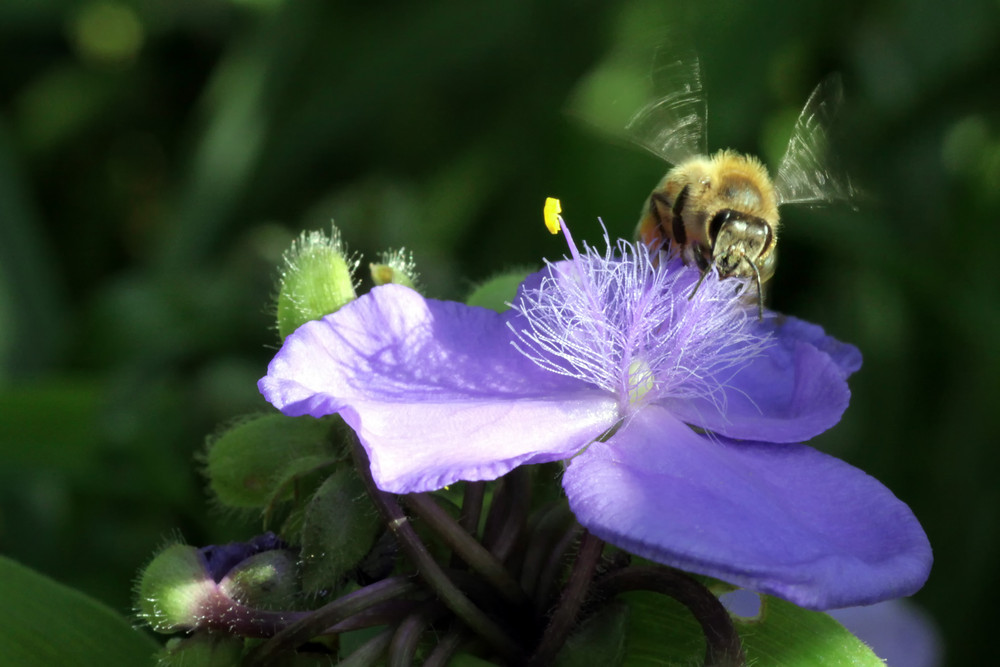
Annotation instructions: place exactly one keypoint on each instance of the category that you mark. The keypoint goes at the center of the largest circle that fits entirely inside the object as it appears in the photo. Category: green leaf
(785, 634)
(600, 639)
(45, 623)
(663, 632)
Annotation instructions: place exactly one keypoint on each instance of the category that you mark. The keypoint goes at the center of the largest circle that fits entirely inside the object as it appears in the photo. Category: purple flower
(675, 417)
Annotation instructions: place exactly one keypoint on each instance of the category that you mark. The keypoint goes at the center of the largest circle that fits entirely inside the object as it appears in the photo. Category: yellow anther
(552, 210)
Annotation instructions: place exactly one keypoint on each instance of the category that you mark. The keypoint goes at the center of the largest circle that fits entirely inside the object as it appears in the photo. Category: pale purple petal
(780, 519)
(793, 391)
(434, 390)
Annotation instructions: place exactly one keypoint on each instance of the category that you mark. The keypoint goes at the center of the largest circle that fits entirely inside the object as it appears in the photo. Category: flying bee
(721, 210)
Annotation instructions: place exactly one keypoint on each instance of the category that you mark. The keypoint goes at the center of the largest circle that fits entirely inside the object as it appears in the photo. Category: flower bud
(395, 266)
(339, 527)
(316, 280)
(249, 464)
(266, 580)
(174, 589)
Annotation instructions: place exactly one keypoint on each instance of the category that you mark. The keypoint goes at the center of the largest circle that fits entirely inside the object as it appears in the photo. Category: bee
(721, 210)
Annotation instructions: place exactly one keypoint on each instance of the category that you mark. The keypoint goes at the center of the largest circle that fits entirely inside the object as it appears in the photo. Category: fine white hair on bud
(397, 267)
(317, 279)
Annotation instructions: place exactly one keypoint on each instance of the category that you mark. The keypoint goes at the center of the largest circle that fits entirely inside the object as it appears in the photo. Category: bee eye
(768, 238)
(719, 219)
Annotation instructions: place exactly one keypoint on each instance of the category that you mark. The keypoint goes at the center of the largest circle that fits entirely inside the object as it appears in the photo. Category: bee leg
(698, 284)
(704, 265)
(659, 211)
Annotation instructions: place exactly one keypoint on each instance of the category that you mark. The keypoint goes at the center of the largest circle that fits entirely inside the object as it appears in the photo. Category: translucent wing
(672, 125)
(805, 174)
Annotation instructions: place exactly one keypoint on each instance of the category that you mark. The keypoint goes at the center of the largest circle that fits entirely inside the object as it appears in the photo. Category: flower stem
(510, 525)
(472, 506)
(390, 612)
(221, 613)
(470, 551)
(328, 615)
(547, 578)
(428, 569)
(572, 599)
(723, 647)
(404, 641)
(441, 654)
(549, 524)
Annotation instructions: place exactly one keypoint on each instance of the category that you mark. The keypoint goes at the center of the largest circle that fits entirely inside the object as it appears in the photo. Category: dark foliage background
(156, 158)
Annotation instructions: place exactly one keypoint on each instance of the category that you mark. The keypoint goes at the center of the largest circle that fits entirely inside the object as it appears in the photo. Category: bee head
(738, 241)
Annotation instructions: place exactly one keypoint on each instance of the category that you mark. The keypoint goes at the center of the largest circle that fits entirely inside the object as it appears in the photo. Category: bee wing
(672, 126)
(805, 174)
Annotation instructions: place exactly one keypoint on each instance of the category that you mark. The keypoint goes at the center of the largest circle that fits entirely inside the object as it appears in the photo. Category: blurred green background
(157, 157)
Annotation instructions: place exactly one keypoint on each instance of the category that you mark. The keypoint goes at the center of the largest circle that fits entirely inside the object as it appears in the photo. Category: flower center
(640, 380)
(626, 321)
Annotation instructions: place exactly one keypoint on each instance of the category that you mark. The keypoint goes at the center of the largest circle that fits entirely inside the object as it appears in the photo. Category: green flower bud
(395, 266)
(266, 580)
(338, 529)
(174, 589)
(317, 280)
(251, 464)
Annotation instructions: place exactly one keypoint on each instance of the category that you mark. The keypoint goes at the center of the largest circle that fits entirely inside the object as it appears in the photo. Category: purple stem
(314, 623)
(428, 569)
(468, 549)
(404, 640)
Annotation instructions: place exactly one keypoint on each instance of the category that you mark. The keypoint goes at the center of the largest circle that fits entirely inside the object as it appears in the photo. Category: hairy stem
(723, 647)
(573, 596)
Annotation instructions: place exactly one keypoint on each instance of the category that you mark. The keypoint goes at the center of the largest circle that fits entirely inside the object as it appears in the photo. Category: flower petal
(793, 391)
(846, 356)
(434, 390)
(780, 519)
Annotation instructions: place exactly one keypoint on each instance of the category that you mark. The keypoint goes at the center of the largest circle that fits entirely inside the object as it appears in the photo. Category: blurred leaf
(51, 424)
(498, 291)
(30, 308)
(45, 623)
